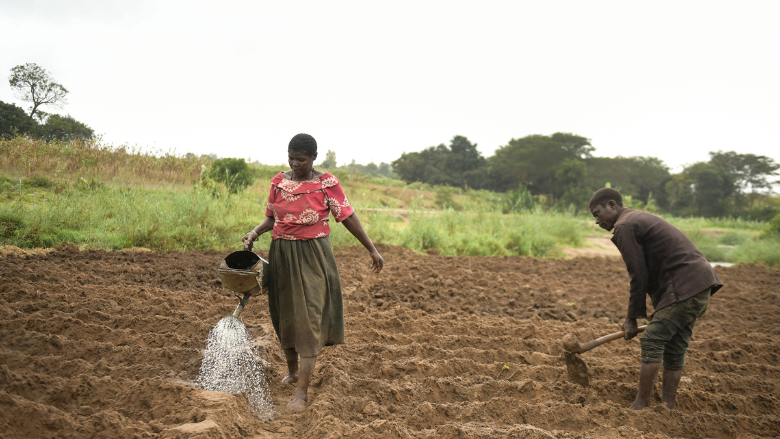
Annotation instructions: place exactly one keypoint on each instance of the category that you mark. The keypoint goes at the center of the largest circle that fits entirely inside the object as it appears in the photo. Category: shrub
(9, 224)
(234, 173)
(38, 181)
(764, 251)
(774, 225)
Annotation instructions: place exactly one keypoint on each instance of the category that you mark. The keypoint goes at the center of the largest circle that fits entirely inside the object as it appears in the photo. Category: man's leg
(671, 383)
(298, 404)
(676, 348)
(292, 366)
(674, 361)
(647, 374)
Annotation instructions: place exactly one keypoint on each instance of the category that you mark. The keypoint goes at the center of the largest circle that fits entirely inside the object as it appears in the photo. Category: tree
(385, 169)
(532, 161)
(33, 84)
(426, 166)
(330, 160)
(634, 176)
(14, 118)
(749, 172)
(701, 189)
(679, 190)
(569, 184)
(64, 128)
(458, 165)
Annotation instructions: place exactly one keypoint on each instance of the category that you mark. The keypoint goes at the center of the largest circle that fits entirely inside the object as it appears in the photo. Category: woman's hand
(252, 235)
(249, 239)
(377, 261)
(352, 223)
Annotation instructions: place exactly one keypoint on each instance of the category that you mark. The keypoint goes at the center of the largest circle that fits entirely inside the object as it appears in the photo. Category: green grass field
(102, 197)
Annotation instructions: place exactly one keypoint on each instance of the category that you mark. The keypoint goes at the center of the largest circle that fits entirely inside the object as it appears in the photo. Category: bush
(38, 181)
(234, 173)
(764, 251)
(443, 198)
(774, 225)
(9, 224)
(88, 184)
(733, 238)
(7, 181)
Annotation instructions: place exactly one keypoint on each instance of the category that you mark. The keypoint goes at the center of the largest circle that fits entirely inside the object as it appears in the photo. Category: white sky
(370, 80)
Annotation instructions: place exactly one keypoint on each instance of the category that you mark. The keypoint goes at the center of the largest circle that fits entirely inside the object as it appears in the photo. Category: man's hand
(629, 325)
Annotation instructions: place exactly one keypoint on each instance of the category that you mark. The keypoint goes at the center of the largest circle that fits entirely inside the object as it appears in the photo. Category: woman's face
(300, 163)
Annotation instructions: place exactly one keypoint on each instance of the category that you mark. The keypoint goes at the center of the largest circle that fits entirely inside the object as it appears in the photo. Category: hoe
(575, 366)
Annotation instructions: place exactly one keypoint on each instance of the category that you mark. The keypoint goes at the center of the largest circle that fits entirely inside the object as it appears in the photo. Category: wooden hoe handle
(607, 338)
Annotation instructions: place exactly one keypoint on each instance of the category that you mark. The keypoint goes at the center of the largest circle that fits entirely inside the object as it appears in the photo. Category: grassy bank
(101, 196)
(116, 217)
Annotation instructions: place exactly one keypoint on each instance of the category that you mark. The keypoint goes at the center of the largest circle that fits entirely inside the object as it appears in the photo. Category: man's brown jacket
(663, 263)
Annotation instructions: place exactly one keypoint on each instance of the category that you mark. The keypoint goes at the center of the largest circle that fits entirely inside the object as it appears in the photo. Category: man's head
(605, 205)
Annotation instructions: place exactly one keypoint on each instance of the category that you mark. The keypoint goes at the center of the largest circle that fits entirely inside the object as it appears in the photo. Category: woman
(304, 294)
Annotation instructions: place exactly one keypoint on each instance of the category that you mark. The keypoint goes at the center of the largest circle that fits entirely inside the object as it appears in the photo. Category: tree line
(561, 170)
(33, 84)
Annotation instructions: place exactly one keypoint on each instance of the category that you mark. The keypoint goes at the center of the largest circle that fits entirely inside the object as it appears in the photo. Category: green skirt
(304, 295)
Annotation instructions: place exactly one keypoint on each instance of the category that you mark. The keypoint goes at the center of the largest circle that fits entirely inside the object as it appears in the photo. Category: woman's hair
(604, 195)
(303, 143)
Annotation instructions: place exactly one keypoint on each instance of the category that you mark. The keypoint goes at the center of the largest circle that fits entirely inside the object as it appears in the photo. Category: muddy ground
(106, 344)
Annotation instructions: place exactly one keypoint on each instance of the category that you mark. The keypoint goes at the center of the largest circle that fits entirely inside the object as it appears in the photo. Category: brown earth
(106, 345)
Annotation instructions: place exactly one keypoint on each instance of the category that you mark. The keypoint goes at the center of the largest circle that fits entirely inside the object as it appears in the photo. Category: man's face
(606, 215)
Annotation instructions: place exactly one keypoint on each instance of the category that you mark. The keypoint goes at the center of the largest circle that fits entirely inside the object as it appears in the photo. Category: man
(666, 265)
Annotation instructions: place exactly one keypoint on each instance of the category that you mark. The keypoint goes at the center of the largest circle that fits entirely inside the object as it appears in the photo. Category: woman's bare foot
(290, 378)
(298, 404)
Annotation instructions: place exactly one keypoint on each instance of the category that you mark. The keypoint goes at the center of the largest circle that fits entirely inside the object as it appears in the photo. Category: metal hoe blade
(577, 369)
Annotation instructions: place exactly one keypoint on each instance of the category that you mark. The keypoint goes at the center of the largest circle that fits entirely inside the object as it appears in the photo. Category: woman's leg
(298, 404)
(292, 366)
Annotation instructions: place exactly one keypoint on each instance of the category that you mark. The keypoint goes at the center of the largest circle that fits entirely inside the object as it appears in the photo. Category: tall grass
(457, 234)
(716, 223)
(68, 161)
(765, 251)
(120, 217)
(115, 217)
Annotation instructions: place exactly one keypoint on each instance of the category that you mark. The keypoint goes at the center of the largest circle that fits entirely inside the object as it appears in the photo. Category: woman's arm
(252, 235)
(352, 223)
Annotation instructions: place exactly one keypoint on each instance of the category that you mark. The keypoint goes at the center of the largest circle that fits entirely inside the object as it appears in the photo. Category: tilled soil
(107, 344)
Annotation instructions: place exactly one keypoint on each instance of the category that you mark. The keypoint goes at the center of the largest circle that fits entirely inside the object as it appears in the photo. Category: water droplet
(231, 364)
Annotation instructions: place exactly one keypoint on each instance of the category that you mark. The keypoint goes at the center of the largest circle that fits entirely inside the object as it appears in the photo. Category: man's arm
(634, 257)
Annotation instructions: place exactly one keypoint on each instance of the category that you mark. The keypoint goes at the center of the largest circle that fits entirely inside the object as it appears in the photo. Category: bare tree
(33, 84)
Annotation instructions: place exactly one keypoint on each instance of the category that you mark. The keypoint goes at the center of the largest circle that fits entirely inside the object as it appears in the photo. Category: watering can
(245, 273)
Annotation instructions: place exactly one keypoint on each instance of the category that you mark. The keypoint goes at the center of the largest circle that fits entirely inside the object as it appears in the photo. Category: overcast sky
(371, 80)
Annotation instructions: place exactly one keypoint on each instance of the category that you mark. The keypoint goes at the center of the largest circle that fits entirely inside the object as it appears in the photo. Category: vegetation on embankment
(36, 212)
(104, 197)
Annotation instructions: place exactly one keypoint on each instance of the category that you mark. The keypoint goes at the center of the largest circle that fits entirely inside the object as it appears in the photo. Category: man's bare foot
(638, 405)
(290, 378)
(298, 404)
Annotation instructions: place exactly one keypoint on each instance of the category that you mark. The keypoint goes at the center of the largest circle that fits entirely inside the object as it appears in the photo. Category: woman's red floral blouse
(300, 208)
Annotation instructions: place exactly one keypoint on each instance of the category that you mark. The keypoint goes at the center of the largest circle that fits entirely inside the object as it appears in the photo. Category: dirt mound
(106, 344)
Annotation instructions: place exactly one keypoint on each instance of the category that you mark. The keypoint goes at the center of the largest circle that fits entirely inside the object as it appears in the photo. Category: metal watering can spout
(241, 304)
(244, 272)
